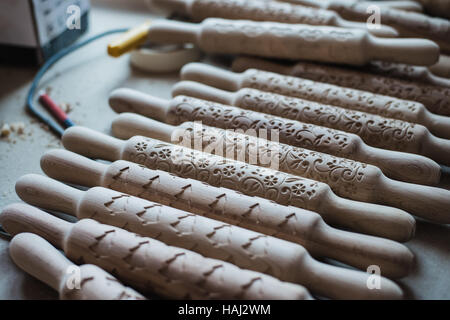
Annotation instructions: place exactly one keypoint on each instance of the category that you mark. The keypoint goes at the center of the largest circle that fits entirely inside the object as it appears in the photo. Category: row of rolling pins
(271, 222)
(169, 219)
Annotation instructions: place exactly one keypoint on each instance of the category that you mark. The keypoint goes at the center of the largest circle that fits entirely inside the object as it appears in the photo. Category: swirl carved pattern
(374, 130)
(333, 95)
(291, 132)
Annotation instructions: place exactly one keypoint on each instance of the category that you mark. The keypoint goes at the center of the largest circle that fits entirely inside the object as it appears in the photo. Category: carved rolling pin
(146, 263)
(249, 179)
(374, 130)
(401, 5)
(409, 24)
(291, 41)
(435, 98)
(346, 178)
(257, 10)
(261, 215)
(407, 72)
(247, 249)
(40, 259)
(402, 166)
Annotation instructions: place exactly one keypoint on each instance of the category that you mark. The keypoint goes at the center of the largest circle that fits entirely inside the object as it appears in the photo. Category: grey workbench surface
(84, 80)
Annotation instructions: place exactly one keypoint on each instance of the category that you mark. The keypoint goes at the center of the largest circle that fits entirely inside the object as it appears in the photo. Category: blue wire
(51, 61)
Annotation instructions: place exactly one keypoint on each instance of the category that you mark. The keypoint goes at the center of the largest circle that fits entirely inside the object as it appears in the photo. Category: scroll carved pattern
(435, 98)
(332, 95)
(190, 231)
(295, 133)
(170, 271)
(260, 11)
(217, 171)
(344, 176)
(374, 130)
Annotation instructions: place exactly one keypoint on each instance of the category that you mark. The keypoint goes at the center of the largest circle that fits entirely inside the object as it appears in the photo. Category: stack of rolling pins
(318, 181)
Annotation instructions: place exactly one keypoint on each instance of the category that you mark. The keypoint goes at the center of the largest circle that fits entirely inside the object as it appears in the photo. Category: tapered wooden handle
(100, 145)
(439, 125)
(40, 259)
(437, 149)
(46, 193)
(17, 218)
(76, 169)
(429, 203)
(129, 100)
(288, 223)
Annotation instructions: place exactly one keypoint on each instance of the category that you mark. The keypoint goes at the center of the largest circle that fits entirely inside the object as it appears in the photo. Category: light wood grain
(281, 40)
(347, 178)
(148, 264)
(40, 259)
(398, 165)
(211, 238)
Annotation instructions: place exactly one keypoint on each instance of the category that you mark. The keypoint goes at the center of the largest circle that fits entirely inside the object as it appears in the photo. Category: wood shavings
(5, 131)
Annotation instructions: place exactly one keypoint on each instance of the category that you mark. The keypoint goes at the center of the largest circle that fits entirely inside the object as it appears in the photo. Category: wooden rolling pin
(146, 263)
(258, 10)
(376, 131)
(258, 214)
(347, 178)
(435, 98)
(407, 72)
(293, 41)
(283, 188)
(40, 259)
(401, 5)
(401, 166)
(246, 249)
(408, 24)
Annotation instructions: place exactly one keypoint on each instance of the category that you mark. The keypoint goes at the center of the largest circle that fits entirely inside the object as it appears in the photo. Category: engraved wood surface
(40, 259)
(148, 264)
(435, 98)
(254, 213)
(376, 131)
(211, 238)
(257, 10)
(294, 41)
(283, 188)
(347, 178)
(407, 72)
